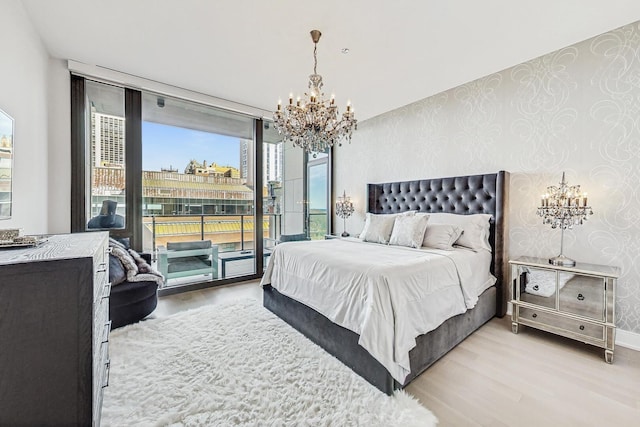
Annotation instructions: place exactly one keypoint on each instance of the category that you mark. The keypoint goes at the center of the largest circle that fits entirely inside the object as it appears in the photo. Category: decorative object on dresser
(344, 209)
(250, 369)
(9, 234)
(563, 207)
(54, 331)
(314, 124)
(573, 301)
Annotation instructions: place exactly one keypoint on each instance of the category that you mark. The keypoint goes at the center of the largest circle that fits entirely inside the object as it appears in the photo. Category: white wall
(23, 95)
(59, 157)
(575, 110)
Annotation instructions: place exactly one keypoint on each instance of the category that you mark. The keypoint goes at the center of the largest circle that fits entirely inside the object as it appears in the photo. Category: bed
(463, 195)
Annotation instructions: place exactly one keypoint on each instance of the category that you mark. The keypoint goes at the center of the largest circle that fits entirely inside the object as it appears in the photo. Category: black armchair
(129, 302)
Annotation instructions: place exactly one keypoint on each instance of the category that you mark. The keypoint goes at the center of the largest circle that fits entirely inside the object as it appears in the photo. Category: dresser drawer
(562, 323)
(100, 321)
(101, 380)
(102, 291)
(583, 295)
(101, 279)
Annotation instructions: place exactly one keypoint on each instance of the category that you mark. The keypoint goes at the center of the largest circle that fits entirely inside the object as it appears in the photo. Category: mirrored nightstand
(576, 302)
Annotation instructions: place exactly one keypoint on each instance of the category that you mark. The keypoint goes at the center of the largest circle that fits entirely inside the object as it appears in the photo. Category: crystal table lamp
(344, 209)
(563, 207)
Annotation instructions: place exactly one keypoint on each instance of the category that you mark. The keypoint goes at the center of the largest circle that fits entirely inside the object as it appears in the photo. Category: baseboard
(628, 339)
(624, 338)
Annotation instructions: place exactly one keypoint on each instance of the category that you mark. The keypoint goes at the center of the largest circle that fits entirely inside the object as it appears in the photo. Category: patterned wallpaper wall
(575, 110)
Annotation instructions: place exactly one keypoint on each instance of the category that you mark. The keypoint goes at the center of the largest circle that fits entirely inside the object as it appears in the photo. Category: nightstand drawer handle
(536, 287)
(580, 297)
(534, 315)
(582, 327)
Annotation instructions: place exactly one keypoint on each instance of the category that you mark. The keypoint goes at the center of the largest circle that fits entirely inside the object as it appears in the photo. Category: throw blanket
(137, 269)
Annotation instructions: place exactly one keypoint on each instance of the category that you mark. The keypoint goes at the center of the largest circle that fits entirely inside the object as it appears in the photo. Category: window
(318, 196)
(153, 158)
(155, 161)
(106, 209)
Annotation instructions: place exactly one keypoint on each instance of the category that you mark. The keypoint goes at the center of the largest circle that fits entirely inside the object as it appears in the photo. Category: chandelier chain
(315, 58)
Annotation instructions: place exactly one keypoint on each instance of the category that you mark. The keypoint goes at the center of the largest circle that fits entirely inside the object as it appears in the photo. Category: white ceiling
(258, 51)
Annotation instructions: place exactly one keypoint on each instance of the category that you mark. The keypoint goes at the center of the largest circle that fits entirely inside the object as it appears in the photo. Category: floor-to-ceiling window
(173, 171)
(158, 169)
(105, 137)
(198, 182)
(318, 185)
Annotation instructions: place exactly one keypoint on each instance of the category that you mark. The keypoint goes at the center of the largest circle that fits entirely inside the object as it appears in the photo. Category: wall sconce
(563, 207)
(344, 209)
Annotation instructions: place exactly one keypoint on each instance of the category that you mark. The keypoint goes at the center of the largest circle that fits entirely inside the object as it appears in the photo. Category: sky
(318, 187)
(166, 146)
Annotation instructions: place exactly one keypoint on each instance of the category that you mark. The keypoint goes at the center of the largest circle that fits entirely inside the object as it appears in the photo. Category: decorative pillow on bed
(475, 228)
(378, 227)
(408, 230)
(441, 236)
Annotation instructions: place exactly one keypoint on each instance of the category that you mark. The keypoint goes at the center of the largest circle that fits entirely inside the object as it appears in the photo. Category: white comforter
(388, 295)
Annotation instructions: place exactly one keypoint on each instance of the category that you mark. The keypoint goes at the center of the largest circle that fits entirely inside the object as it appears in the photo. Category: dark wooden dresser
(54, 331)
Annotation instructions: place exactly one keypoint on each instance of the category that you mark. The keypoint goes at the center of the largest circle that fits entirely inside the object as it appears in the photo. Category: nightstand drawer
(562, 323)
(583, 296)
(538, 286)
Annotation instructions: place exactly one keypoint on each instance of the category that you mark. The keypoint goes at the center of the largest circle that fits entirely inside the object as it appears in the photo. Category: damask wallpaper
(575, 110)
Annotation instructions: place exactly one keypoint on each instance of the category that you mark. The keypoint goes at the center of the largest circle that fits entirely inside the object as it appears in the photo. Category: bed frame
(460, 195)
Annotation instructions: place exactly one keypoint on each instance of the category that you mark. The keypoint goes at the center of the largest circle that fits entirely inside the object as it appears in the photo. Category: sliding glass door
(198, 182)
(318, 195)
(174, 175)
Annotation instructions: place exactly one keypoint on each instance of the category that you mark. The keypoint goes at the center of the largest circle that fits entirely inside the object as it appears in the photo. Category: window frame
(133, 178)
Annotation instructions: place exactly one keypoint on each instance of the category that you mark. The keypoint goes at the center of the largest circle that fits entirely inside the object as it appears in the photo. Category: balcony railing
(317, 225)
(231, 232)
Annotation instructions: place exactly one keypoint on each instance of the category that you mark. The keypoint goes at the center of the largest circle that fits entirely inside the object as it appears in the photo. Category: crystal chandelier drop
(314, 123)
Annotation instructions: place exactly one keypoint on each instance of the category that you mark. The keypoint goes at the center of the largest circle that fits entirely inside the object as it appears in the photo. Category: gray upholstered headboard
(462, 195)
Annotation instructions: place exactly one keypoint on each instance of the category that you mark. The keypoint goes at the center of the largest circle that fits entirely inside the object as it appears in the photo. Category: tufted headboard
(462, 195)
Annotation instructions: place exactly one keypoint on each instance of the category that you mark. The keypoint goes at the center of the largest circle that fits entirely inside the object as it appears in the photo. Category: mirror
(6, 164)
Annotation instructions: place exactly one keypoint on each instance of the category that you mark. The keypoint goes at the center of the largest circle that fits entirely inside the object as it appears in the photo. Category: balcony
(232, 233)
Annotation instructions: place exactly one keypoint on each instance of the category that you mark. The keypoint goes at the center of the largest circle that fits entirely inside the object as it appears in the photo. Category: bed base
(343, 343)
(487, 193)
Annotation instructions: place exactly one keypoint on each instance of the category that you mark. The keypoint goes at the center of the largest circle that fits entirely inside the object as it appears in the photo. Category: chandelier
(314, 123)
(563, 207)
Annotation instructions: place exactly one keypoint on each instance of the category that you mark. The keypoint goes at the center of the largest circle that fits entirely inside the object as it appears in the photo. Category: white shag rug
(239, 365)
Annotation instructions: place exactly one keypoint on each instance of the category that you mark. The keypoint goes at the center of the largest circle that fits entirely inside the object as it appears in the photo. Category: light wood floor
(497, 378)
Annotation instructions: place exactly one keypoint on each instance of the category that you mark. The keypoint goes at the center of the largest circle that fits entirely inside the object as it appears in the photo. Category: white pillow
(408, 230)
(441, 236)
(475, 228)
(378, 227)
